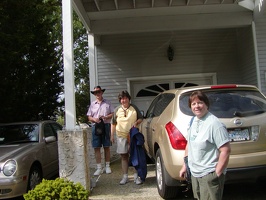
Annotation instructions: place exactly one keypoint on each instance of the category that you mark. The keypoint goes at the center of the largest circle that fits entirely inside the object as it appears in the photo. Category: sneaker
(108, 170)
(98, 172)
(138, 181)
(123, 181)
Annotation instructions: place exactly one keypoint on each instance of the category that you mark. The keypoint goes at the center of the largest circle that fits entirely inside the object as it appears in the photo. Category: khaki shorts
(122, 145)
(209, 187)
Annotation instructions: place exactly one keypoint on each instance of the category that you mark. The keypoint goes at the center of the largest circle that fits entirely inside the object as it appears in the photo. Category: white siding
(199, 51)
(261, 40)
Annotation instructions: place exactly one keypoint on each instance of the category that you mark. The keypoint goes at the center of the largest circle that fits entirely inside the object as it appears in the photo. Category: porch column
(92, 64)
(70, 110)
(72, 143)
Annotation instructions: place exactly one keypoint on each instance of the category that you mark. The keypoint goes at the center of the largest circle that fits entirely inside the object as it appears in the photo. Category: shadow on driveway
(108, 188)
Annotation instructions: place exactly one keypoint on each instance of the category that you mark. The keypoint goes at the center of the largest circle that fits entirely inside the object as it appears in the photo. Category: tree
(81, 62)
(31, 72)
(31, 61)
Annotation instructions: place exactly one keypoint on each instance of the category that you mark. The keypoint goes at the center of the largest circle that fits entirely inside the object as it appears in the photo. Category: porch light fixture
(170, 53)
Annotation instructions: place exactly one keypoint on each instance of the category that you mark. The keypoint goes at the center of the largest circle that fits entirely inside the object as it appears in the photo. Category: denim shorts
(101, 140)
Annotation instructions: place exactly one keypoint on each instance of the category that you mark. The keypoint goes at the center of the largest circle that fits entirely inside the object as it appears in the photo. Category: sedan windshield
(230, 103)
(20, 133)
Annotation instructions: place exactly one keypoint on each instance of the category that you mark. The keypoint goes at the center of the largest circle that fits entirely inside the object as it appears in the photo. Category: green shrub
(58, 189)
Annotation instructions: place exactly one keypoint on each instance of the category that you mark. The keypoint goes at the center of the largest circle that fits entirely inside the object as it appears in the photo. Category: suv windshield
(230, 103)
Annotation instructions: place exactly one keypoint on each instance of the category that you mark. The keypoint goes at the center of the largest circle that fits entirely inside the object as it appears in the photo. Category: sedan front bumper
(12, 187)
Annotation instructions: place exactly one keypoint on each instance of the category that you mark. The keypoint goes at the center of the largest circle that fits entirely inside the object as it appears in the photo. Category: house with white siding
(147, 46)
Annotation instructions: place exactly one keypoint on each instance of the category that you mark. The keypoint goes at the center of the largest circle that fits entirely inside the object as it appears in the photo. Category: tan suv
(242, 108)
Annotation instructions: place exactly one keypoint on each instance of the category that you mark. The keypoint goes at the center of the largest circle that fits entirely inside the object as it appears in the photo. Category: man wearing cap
(101, 108)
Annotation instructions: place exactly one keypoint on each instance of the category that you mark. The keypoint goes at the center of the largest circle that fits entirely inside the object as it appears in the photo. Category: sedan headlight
(10, 167)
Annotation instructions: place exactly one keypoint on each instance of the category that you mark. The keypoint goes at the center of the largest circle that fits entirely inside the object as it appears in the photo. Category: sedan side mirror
(50, 139)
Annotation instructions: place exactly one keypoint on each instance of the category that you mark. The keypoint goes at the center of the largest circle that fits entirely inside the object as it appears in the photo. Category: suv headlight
(10, 167)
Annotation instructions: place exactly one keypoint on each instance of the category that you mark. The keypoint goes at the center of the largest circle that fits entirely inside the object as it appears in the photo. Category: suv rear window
(230, 103)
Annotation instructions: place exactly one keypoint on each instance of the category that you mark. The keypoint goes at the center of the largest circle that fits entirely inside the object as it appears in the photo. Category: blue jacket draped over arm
(137, 153)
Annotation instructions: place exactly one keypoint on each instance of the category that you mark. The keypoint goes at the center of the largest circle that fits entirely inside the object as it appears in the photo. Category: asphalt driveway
(108, 188)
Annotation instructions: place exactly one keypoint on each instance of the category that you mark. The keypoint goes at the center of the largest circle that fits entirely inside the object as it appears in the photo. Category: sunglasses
(97, 92)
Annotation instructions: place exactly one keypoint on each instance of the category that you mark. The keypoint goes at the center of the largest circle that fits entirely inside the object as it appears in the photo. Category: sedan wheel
(35, 177)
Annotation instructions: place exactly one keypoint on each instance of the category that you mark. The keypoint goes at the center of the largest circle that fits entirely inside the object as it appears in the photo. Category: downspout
(70, 108)
(256, 54)
(250, 4)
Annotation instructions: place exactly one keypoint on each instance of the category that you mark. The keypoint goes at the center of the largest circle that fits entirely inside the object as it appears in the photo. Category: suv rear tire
(165, 191)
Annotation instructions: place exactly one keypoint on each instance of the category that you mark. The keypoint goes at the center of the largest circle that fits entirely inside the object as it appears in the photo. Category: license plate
(237, 135)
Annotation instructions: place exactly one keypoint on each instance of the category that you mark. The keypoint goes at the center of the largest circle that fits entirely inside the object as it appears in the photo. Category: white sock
(99, 166)
(125, 175)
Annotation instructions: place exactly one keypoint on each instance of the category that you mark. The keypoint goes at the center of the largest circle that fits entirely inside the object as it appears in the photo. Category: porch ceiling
(130, 16)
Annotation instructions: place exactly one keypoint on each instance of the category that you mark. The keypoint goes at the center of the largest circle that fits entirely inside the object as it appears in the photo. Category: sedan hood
(12, 151)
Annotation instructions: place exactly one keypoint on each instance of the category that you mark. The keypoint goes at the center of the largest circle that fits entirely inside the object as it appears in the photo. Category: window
(48, 131)
(151, 108)
(19, 133)
(180, 85)
(159, 104)
(56, 127)
(154, 90)
(32, 132)
(230, 103)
